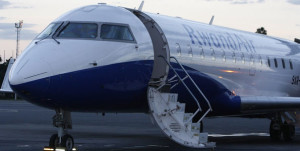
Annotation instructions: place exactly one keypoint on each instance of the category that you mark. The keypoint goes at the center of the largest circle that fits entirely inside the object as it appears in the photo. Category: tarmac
(26, 127)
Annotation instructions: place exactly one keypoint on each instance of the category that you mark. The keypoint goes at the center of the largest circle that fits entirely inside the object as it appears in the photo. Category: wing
(287, 106)
(263, 104)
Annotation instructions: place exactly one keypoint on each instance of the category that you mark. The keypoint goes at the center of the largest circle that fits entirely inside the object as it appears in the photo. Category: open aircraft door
(165, 109)
(161, 49)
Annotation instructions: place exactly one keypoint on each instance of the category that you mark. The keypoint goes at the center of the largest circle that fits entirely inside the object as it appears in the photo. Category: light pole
(18, 27)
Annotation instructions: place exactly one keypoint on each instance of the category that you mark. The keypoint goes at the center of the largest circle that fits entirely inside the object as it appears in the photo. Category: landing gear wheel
(275, 131)
(68, 142)
(288, 132)
(54, 141)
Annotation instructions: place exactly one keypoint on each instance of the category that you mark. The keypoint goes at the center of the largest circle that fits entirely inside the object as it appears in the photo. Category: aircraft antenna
(18, 27)
(297, 40)
(212, 20)
(141, 6)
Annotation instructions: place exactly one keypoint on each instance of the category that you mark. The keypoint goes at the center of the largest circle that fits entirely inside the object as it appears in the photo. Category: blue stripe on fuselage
(119, 87)
(221, 99)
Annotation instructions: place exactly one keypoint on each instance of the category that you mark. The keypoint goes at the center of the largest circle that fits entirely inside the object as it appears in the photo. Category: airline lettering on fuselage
(221, 40)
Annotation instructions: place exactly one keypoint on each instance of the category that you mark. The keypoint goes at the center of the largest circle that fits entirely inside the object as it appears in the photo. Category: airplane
(102, 58)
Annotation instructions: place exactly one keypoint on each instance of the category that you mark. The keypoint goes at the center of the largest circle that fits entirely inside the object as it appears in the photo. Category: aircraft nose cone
(15, 79)
(30, 76)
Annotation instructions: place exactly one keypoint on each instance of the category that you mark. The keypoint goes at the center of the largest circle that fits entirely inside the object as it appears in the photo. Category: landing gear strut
(279, 128)
(62, 120)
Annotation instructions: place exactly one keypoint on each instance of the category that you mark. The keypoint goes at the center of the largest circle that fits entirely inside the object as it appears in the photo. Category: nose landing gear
(62, 140)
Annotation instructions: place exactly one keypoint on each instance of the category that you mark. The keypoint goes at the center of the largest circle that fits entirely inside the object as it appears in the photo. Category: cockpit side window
(116, 32)
(79, 30)
(50, 29)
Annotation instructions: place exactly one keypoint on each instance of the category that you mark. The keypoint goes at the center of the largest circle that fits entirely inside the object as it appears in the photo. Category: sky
(279, 17)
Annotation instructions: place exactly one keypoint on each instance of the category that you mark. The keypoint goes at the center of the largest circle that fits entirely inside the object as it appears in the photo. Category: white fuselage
(100, 74)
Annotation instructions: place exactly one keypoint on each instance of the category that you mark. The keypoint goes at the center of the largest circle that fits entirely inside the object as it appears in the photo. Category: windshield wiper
(55, 33)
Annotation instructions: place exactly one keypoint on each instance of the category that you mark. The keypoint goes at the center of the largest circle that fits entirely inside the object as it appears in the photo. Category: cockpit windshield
(87, 31)
(116, 32)
(79, 30)
(48, 31)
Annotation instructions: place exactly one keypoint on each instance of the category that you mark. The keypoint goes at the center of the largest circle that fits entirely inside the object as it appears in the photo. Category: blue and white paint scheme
(110, 70)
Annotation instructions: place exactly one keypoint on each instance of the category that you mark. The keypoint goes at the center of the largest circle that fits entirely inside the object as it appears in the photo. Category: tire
(67, 141)
(275, 131)
(288, 132)
(54, 141)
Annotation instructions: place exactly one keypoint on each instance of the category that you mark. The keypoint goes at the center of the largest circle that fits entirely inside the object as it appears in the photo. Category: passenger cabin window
(79, 30)
(291, 64)
(251, 60)
(190, 51)
(243, 58)
(275, 62)
(224, 56)
(260, 60)
(213, 55)
(201, 53)
(116, 32)
(283, 63)
(269, 62)
(49, 30)
(233, 57)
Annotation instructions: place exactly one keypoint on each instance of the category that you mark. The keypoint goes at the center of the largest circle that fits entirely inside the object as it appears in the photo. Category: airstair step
(170, 116)
(203, 137)
(195, 127)
(175, 127)
(180, 107)
(179, 112)
(187, 116)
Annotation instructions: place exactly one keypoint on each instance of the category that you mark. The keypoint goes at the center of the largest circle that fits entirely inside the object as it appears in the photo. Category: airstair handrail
(182, 81)
(193, 83)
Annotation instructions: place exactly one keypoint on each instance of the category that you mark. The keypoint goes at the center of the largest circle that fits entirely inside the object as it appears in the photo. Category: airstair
(170, 114)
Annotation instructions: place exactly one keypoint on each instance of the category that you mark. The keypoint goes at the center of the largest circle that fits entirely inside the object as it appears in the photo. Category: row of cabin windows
(252, 59)
(282, 63)
(213, 55)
